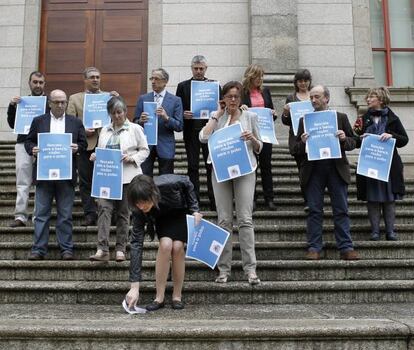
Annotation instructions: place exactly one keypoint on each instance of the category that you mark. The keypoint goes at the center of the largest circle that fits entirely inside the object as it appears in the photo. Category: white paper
(136, 310)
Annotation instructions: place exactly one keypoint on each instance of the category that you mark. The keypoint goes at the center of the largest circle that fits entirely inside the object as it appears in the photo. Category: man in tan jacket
(92, 81)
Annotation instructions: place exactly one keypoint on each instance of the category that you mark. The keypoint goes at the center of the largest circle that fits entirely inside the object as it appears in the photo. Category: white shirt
(57, 125)
(159, 97)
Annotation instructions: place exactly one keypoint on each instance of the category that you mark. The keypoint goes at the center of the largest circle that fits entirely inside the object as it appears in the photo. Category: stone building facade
(332, 38)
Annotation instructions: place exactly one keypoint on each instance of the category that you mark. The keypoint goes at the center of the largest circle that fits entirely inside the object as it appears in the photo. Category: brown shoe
(100, 256)
(312, 255)
(35, 256)
(17, 223)
(349, 255)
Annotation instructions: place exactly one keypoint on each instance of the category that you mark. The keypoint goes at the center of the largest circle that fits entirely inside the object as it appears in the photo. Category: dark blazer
(267, 97)
(396, 129)
(184, 92)
(174, 109)
(176, 191)
(41, 124)
(341, 164)
(287, 120)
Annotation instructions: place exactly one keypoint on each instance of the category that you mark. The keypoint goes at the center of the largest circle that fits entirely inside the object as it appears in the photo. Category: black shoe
(89, 221)
(67, 256)
(391, 237)
(375, 237)
(155, 305)
(17, 223)
(177, 305)
(270, 205)
(35, 256)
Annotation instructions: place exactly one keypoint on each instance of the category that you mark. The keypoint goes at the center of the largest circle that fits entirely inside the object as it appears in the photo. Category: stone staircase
(384, 275)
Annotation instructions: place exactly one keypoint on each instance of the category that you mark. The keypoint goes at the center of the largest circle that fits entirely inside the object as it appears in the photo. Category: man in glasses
(63, 191)
(24, 162)
(170, 118)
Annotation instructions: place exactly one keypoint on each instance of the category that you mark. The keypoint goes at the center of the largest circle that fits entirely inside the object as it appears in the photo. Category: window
(392, 36)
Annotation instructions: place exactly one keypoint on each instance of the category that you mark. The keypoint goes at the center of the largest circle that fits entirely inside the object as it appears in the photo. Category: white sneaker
(120, 256)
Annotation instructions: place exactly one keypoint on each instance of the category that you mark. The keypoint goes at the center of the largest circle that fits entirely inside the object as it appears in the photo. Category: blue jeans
(64, 194)
(324, 175)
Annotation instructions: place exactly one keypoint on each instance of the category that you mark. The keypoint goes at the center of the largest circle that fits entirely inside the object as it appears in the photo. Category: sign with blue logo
(95, 114)
(204, 98)
(27, 109)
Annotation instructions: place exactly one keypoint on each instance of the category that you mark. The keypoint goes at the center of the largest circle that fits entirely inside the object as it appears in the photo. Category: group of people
(159, 204)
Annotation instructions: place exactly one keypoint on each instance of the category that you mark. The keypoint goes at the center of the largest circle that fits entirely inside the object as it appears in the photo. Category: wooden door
(111, 35)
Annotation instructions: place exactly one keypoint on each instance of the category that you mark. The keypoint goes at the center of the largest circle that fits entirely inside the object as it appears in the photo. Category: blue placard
(151, 125)
(204, 98)
(266, 124)
(95, 114)
(205, 242)
(54, 160)
(375, 157)
(229, 153)
(107, 174)
(297, 110)
(322, 142)
(28, 108)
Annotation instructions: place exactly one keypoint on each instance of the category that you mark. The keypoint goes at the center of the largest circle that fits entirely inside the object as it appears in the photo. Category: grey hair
(163, 72)
(115, 103)
(199, 59)
(89, 70)
(326, 92)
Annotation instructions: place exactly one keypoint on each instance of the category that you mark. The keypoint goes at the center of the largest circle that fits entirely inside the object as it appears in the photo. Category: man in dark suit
(334, 174)
(63, 191)
(192, 128)
(170, 119)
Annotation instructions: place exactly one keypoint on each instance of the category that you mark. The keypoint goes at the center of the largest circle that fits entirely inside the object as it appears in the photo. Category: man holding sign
(334, 174)
(193, 126)
(92, 83)
(24, 162)
(63, 191)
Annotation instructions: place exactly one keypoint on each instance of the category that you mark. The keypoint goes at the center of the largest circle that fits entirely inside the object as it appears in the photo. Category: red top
(256, 98)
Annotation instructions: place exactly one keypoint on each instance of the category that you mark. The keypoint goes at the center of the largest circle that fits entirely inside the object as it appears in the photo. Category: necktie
(157, 99)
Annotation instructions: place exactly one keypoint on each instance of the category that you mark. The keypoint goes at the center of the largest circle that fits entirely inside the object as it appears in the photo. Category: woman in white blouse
(130, 139)
(241, 189)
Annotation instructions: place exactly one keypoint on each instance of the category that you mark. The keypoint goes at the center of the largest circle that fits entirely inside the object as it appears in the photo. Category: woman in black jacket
(380, 195)
(303, 84)
(160, 205)
(255, 95)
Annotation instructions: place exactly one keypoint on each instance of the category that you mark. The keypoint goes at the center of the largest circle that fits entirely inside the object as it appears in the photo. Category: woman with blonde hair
(380, 195)
(254, 94)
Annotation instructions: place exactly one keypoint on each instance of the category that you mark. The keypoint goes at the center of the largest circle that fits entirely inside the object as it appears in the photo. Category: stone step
(264, 250)
(268, 270)
(282, 203)
(263, 233)
(263, 217)
(245, 327)
(204, 293)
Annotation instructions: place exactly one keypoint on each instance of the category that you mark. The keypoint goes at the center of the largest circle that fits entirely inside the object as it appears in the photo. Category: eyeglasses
(232, 97)
(155, 79)
(58, 102)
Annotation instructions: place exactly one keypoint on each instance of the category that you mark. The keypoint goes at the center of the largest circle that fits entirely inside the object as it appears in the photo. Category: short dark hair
(143, 188)
(114, 103)
(230, 85)
(302, 74)
(37, 74)
(88, 70)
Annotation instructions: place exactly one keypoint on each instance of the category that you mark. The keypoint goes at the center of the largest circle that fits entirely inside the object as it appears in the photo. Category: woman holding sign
(255, 95)
(380, 195)
(241, 189)
(303, 84)
(130, 139)
(161, 204)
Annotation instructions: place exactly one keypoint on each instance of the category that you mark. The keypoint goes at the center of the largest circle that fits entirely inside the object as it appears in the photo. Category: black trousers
(299, 160)
(165, 166)
(192, 147)
(85, 172)
(265, 163)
